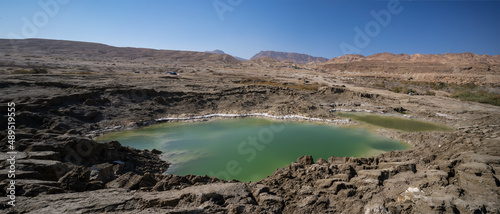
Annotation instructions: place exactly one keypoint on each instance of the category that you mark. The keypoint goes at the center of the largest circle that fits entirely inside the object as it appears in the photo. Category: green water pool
(249, 149)
(392, 122)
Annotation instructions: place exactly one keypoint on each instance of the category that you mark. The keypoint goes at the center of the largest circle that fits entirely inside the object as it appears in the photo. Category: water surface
(249, 149)
(392, 122)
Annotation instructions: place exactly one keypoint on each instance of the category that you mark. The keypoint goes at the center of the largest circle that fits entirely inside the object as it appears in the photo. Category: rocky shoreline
(214, 116)
(59, 170)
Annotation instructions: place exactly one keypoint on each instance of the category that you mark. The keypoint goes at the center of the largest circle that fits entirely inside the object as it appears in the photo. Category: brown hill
(266, 59)
(458, 63)
(96, 50)
(295, 57)
(458, 58)
(217, 51)
(274, 63)
(267, 62)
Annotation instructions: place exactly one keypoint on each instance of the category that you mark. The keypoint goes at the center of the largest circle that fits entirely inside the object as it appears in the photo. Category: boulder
(77, 179)
(128, 180)
(325, 183)
(378, 175)
(148, 181)
(305, 160)
(44, 155)
(398, 166)
(307, 201)
(103, 172)
(438, 177)
(337, 186)
(95, 185)
(321, 161)
(47, 169)
(260, 188)
(32, 187)
(156, 151)
(272, 202)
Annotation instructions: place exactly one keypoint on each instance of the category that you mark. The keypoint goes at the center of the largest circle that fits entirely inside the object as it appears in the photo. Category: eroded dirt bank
(61, 169)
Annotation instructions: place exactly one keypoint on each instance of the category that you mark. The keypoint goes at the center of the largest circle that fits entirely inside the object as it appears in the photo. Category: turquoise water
(249, 149)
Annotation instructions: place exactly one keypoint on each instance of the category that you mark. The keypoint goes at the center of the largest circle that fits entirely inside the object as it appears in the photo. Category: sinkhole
(249, 149)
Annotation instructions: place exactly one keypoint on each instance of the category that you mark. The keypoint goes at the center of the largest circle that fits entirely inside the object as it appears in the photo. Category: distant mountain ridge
(95, 50)
(294, 57)
(465, 63)
(217, 51)
(458, 58)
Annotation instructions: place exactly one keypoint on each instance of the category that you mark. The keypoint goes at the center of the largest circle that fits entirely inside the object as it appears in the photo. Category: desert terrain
(67, 93)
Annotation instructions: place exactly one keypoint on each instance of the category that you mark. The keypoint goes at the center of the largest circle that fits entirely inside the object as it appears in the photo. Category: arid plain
(66, 93)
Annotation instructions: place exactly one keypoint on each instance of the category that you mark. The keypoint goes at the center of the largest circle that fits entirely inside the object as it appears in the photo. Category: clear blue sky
(315, 27)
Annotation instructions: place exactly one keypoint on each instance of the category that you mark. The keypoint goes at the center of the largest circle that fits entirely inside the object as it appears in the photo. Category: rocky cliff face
(69, 163)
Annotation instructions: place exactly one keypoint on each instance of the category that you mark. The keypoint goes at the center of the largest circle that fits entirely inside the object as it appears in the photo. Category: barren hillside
(294, 57)
(458, 68)
(94, 50)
